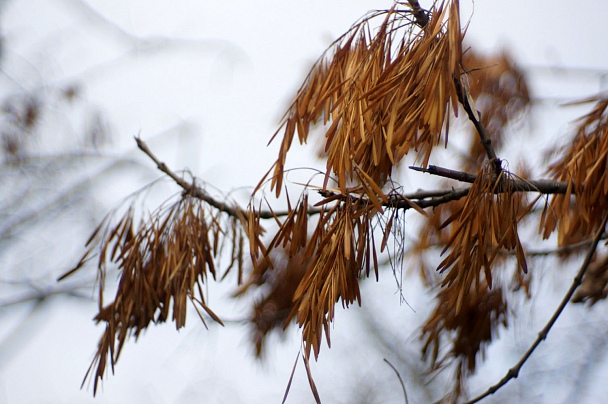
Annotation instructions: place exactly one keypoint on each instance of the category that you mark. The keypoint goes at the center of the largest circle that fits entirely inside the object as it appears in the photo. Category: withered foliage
(486, 224)
(468, 330)
(278, 277)
(499, 92)
(383, 92)
(163, 263)
(341, 248)
(380, 96)
(333, 257)
(595, 283)
(584, 165)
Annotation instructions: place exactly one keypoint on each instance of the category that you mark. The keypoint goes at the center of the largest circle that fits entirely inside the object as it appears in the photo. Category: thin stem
(400, 380)
(420, 14)
(542, 186)
(421, 198)
(475, 116)
(542, 335)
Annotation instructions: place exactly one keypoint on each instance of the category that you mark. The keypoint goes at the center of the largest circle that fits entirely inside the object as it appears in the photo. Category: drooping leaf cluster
(385, 89)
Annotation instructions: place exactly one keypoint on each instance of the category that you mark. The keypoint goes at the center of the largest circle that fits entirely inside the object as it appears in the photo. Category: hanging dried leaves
(163, 264)
(486, 224)
(471, 329)
(278, 278)
(341, 246)
(379, 96)
(584, 165)
(499, 91)
(595, 283)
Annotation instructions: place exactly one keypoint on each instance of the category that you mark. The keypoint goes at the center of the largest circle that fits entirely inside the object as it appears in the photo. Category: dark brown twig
(542, 186)
(423, 199)
(542, 335)
(420, 14)
(438, 197)
(446, 173)
(189, 189)
(475, 116)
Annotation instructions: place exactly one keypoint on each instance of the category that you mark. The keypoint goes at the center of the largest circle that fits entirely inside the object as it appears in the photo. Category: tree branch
(446, 173)
(542, 186)
(542, 335)
(421, 198)
(420, 14)
(475, 117)
(189, 189)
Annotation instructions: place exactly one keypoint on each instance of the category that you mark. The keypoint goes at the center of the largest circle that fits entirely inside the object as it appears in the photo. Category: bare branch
(420, 14)
(475, 116)
(190, 189)
(542, 335)
(400, 380)
(542, 186)
(447, 173)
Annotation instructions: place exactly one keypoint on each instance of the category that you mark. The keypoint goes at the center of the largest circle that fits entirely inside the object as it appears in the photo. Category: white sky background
(205, 83)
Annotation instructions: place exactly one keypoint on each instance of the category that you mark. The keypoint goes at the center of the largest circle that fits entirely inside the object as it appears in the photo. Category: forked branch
(542, 335)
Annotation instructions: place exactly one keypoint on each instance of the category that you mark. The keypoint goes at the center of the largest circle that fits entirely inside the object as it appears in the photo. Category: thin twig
(475, 117)
(542, 186)
(421, 198)
(438, 197)
(446, 173)
(190, 189)
(542, 335)
(559, 250)
(40, 294)
(400, 380)
(420, 14)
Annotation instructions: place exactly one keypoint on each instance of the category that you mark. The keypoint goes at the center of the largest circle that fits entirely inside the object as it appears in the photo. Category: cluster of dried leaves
(474, 323)
(164, 262)
(486, 224)
(478, 232)
(577, 214)
(582, 163)
(381, 94)
(280, 277)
